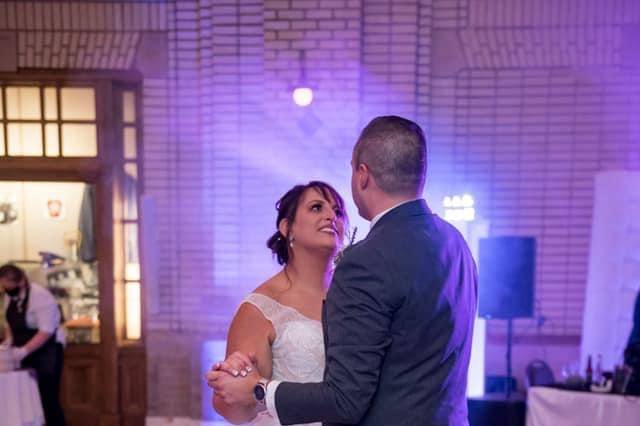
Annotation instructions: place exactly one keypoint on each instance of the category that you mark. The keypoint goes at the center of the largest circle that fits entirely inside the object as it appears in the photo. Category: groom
(398, 318)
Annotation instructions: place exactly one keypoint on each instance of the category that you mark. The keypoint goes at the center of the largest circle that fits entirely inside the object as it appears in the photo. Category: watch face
(258, 392)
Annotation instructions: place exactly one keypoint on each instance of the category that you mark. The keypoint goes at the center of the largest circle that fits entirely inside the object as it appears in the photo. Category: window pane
(50, 103)
(78, 103)
(132, 272)
(52, 145)
(2, 139)
(132, 307)
(128, 107)
(25, 139)
(1, 105)
(129, 143)
(130, 191)
(131, 243)
(23, 103)
(79, 140)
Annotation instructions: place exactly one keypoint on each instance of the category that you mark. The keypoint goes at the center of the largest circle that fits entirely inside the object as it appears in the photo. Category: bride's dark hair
(287, 206)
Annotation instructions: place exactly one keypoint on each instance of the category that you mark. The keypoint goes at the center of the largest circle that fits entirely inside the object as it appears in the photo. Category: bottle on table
(589, 373)
(597, 374)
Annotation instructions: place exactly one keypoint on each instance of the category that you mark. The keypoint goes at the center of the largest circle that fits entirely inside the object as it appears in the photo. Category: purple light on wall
(212, 351)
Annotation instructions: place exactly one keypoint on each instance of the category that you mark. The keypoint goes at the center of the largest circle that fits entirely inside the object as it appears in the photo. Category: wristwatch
(260, 391)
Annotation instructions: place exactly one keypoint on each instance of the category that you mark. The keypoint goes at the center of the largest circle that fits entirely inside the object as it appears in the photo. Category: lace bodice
(298, 348)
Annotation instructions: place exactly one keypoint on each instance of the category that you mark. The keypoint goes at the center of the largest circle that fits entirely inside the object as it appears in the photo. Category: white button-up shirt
(42, 313)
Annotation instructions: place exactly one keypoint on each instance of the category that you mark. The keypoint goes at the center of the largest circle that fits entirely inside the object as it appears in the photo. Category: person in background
(632, 352)
(634, 337)
(34, 334)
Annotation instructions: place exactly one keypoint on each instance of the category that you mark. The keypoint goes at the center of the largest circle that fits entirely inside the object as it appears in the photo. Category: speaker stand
(509, 343)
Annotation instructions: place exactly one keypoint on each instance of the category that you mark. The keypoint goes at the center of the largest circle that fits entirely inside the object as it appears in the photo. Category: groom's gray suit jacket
(398, 323)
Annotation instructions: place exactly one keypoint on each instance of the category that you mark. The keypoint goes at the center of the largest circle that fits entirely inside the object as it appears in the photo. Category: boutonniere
(351, 236)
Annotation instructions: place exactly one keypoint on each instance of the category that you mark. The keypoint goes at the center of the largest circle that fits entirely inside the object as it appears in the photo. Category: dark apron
(43, 360)
(46, 360)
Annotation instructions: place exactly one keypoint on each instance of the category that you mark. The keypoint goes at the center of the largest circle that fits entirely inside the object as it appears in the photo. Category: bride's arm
(250, 333)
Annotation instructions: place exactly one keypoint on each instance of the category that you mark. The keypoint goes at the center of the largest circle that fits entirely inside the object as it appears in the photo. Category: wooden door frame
(101, 171)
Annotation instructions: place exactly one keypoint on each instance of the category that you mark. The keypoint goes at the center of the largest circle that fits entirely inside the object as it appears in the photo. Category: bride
(279, 322)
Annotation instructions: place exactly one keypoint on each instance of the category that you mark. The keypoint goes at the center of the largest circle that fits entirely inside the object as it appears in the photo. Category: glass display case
(52, 240)
(75, 286)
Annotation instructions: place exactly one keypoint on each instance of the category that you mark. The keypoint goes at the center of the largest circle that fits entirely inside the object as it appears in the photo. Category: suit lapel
(324, 332)
(324, 324)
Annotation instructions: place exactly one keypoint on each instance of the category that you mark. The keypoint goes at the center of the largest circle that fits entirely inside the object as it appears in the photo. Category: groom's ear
(364, 175)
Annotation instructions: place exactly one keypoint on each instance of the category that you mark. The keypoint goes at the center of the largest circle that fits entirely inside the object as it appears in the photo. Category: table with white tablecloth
(19, 399)
(554, 407)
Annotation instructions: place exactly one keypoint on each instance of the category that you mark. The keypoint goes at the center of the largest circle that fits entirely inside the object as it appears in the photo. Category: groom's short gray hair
(395, 151)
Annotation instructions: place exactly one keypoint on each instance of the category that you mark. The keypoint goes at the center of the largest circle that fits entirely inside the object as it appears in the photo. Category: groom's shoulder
(364, 251)
(362, 254)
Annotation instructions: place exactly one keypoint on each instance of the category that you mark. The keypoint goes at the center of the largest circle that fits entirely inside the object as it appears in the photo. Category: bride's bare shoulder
(273, 287)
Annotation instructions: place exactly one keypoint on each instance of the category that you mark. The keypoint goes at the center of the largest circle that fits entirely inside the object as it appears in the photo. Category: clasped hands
(234, 378)
(18, 354)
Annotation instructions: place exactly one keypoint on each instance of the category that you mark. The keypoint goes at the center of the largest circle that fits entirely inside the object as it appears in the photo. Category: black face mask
(14, 292)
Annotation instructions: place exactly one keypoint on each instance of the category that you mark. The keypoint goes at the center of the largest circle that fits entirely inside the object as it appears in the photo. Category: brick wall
(529, 101)
(528, 116)
(523, 102)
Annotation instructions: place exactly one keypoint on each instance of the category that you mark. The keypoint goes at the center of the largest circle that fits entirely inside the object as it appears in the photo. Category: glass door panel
(47, 229)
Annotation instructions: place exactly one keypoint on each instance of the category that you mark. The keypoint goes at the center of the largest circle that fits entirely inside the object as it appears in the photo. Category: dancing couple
(382, 339)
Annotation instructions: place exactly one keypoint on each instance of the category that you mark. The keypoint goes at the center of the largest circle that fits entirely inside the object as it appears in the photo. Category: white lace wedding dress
(298, 349)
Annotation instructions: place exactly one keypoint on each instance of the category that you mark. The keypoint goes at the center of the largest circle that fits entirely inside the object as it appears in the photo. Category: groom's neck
(383, 201)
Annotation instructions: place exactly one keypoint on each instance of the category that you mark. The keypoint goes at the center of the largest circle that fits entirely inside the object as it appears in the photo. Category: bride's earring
(291, 240)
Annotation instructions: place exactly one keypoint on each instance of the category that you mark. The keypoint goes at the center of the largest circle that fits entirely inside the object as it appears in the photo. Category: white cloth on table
(553, 407)
(20, 401)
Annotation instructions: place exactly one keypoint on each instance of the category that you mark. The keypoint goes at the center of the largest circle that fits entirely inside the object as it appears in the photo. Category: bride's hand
(233, 391)
(237, 364)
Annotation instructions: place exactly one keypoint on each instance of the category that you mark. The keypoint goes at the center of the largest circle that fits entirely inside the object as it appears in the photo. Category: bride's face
(319, 222)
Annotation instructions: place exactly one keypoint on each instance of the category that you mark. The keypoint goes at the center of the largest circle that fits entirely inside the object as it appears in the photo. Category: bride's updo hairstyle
(287, 206)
